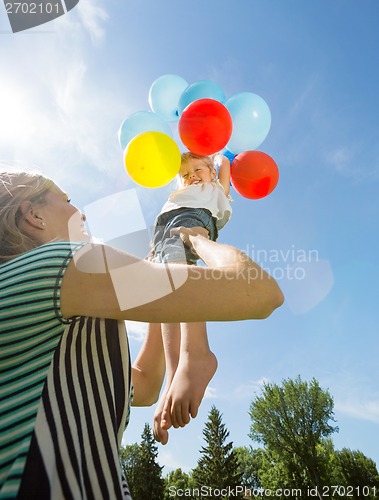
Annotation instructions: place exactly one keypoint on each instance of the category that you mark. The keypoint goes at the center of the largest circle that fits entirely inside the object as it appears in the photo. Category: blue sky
(65, 89)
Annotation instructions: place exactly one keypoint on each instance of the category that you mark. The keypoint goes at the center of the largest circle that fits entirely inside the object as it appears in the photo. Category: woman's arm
(104, 282)
(149, 368)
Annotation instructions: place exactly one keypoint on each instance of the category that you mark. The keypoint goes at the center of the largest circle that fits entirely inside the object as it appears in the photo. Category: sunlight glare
(15, 113)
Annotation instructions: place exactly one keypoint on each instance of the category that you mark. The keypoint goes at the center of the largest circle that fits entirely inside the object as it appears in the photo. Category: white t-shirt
(210, 195)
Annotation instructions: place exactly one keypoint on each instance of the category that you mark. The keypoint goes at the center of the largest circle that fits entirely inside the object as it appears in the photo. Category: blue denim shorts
(169, 248)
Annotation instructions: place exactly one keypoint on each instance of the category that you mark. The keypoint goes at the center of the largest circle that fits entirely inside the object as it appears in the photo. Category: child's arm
(224, 172)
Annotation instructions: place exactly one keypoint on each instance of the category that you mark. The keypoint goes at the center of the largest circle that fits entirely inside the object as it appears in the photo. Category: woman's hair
(15, 188)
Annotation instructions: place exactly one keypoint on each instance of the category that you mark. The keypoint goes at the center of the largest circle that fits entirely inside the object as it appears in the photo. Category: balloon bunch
(207, 123)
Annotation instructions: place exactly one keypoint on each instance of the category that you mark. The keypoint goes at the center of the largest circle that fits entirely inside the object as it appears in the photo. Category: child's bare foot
(187, 388)
(161, 426)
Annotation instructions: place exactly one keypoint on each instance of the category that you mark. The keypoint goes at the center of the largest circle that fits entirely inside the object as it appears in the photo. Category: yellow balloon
(152, 159)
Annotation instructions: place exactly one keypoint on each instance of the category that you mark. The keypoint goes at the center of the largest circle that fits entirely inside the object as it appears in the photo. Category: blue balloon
(230, 156)
(164, 95)
(203, 89)
(139, 122)
(251, 121)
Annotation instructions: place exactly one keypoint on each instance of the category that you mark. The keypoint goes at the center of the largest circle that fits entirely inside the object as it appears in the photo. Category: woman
(65, 373)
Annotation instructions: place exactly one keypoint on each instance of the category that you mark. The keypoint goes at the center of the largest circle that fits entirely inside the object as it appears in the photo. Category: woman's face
(62, 220)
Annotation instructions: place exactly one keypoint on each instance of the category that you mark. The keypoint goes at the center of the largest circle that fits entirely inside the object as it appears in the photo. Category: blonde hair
(15, 188)
(207, 160)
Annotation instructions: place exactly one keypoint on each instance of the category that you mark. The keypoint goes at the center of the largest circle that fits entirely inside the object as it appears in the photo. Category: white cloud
(60, 113)
(351, 160)
(170, 462)
(55, 112)
(16, 110)
(361, 410)
(339, 158)
(210, 393)
(68, 87)
(251, 389)
(136, 330)
(93, 16)
(305, 95)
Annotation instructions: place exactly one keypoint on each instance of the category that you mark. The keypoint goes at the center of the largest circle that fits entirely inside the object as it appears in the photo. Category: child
(203, 200)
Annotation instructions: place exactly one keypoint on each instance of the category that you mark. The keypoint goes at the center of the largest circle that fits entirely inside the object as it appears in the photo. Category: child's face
(195, 171)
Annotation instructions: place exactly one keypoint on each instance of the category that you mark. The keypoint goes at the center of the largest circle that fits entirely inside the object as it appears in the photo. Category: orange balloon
(254, 174)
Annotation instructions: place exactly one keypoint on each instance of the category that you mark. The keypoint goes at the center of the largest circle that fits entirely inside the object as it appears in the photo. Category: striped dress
(64, 387)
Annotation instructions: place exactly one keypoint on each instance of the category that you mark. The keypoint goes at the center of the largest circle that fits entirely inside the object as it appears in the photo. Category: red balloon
(254, 174)
(205, 126)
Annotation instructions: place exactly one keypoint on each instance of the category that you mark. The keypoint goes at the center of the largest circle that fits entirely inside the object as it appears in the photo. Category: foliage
(218, 467)
(178, 483)
(141, 468)
(130, 460)
(249, 466)
(292, 421)
(357, 472)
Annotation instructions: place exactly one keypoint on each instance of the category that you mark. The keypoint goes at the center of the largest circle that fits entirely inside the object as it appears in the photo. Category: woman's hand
(185, 233)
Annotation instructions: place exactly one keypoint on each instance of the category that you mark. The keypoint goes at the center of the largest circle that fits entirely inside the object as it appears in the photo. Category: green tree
(274, 474)
(249, 465)
(130, 460)
(178, 483)
(217, 469)
(143, 473)
(293, 422)
(357, 474)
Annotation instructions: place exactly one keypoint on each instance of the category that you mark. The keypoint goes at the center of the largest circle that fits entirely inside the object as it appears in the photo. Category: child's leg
(197, 365)
(171, 345)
